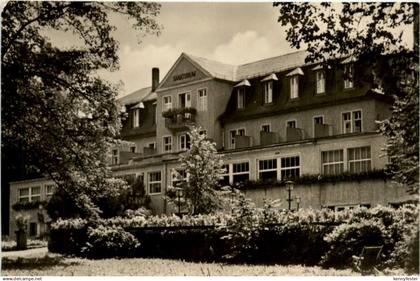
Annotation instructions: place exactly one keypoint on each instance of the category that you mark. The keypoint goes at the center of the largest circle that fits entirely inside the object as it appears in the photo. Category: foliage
(11, 245)
(372, 34)
(58, 117)
(267, 235)
(315, 179)
(21, 221)
(20, 206)
(203, 168)
(106, 242)
(174, 112)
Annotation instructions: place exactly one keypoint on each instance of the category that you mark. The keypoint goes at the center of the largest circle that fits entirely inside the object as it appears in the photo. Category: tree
(372, 33)
(202, 169)
(58, 117)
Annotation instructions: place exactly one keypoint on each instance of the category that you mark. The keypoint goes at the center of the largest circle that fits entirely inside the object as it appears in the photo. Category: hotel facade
(272, 120)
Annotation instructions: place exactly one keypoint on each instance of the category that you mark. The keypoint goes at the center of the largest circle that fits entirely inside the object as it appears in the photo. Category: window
(291, 124)
(115, 156)
(319, 120)
(133, 149)
(184, 100)
(332, 162)
(352, 122)
(49, 190)
(348, 76)
(167, 143)
(267, 169)
(136, 118)
(359, 159)
(152, 145)
(266, 128)
(202, 100)
(233, 134)
(240, 98)
(320, 81)
(154, 182)
(290, 167)
(294, 87)
(240, 172)
(268, 92)
(30, 194)
(184, 142)
(167, 103)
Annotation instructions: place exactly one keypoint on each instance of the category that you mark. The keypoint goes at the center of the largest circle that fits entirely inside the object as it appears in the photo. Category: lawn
(53, 265)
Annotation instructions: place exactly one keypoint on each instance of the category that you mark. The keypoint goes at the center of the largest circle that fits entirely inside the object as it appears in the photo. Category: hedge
(250, 235)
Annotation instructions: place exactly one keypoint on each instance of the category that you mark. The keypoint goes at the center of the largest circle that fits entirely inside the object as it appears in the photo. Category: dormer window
(240, 92)
(136, 118)
(348, 76)
(320, 81)
(294, 87)
(294, 82)
(268, 92)
(268, 87)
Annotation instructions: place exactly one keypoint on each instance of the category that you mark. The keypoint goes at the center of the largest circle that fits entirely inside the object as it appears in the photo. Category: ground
(39, 262)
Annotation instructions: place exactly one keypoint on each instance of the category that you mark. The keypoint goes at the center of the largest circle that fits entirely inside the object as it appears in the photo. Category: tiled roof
(216, 69)
(253, 69)
(136, 96)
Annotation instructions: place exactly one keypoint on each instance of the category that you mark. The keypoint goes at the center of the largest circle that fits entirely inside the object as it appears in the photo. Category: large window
(202, 100)
(30, 194)
(49, 191)
(167, 103)
(294, 87)
(352, 122)
(184, 100)
(155, 182)
(167, 143)
(184, 142)
(268, 92)
(320, 82)
(240, 92)
(267, 169)
(136, 118)
(290, 167)
(359, 159)
(332, 162)
(240, 172)
(348, 76)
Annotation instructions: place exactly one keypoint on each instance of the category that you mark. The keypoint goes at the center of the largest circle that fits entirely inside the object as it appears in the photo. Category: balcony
(294, 134)
(148, 151)
(322, 130)
(267, 138)
(242, 141)
(180, 118)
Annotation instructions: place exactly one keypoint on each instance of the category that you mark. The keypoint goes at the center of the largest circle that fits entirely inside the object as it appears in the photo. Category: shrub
(107, 242)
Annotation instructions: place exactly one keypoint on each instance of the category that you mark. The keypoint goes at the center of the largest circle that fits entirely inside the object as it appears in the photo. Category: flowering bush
(106, 242)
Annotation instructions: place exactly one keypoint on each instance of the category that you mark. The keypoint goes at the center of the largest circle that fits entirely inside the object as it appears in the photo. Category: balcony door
(184, 100)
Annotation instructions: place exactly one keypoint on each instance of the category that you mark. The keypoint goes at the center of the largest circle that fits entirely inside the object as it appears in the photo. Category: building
(274, 119)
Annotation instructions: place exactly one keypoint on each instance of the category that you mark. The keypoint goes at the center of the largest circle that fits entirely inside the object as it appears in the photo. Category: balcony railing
(180, 118)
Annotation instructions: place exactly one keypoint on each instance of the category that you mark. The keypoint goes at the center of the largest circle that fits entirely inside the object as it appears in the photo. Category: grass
(57, 265)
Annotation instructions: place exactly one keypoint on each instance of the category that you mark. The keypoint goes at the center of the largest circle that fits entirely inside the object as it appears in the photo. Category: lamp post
(297, 202)
(289, 188)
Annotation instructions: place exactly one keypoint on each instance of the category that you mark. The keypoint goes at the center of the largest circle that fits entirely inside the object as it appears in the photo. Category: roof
(136, 96)
(250, 70)
(216, 69)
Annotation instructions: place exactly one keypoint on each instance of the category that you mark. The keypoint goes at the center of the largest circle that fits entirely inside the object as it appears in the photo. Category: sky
(234, 33)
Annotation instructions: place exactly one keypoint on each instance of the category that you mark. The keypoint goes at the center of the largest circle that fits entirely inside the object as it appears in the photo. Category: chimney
(155, 78)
